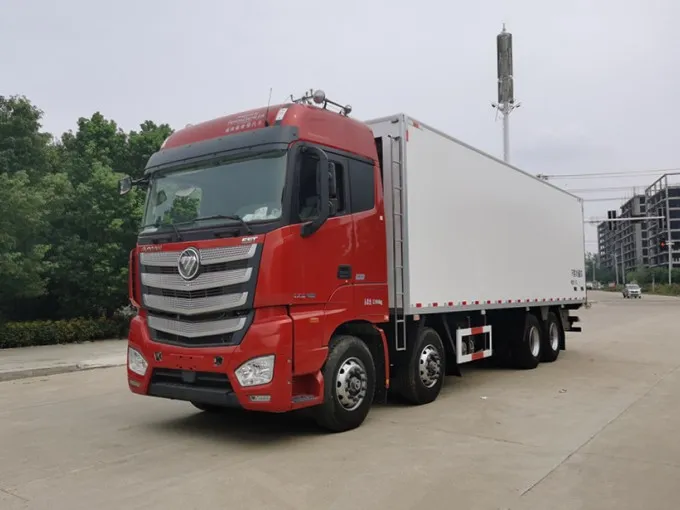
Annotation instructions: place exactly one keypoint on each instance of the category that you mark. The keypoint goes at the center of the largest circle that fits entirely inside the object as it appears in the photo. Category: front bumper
(207, 374)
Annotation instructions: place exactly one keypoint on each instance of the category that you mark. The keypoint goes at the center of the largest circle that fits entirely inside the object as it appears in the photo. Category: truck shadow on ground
(240, 426)
(258, 428)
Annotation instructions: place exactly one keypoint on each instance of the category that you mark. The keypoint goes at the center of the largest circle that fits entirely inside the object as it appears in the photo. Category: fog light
(136, 362)
(256, 371)
(260, 398)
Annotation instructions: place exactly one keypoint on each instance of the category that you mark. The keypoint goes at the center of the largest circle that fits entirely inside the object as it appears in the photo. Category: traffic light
(663, 246)
(611, 225)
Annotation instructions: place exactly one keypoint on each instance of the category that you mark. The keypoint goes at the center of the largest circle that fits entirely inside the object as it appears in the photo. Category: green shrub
(31, 333)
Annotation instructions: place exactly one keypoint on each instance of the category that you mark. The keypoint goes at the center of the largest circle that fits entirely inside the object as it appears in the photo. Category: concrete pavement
(595, 430)
(56, 359)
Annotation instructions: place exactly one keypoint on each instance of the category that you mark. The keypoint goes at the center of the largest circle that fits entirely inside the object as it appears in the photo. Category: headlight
(256, 371)
(136, 362)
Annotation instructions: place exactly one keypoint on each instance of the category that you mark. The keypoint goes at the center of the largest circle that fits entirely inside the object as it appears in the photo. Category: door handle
(344, 272)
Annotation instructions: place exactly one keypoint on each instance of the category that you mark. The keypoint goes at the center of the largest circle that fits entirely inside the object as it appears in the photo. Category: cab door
(324, 262)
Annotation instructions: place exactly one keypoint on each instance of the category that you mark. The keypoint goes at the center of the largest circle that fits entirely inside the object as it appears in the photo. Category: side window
(340, 186)
(308, 194)
(362, 186)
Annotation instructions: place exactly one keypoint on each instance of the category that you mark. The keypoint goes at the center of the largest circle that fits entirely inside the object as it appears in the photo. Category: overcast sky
(598, 80)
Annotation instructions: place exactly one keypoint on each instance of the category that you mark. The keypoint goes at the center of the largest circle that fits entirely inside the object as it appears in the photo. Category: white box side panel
(482, 231)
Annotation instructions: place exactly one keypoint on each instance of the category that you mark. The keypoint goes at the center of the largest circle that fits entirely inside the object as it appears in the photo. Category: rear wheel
(349, 385)
(420, 380)
(553, 336)
(527, 347)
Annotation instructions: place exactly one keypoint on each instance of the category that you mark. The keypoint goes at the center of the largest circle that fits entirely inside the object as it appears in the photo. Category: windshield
(251, 188)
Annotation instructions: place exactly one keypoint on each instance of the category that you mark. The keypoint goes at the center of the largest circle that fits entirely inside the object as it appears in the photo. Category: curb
(82, 366)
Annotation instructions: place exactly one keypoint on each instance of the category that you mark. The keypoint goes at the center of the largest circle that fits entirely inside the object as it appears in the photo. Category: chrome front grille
(196, 329)
(208, 255)
(211, 308)
(207, 280)
(195, 306)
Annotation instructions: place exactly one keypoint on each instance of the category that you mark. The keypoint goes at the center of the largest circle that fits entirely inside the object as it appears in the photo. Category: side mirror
(332, 181)
(160, 198)
(322, 172)
(124, 185)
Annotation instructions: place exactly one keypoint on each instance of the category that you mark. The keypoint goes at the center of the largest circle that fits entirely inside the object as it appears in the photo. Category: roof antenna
(266, 113)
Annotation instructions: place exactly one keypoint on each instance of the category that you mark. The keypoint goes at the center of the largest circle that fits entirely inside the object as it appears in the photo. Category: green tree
(23, 147)
(94, 228)
(142, 144)
(89, 258)
(65, 233)
(22, 246)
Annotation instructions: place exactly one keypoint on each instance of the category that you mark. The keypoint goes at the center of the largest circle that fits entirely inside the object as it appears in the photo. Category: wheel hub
(351, 384)
(430, 366)
(534, 341)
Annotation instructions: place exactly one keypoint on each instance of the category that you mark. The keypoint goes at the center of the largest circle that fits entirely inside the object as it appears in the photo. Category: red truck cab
(261, 259)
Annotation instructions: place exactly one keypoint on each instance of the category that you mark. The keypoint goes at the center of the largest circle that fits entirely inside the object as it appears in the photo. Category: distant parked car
(632, 290)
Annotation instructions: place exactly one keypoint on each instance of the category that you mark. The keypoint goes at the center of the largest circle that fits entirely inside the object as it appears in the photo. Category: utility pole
(616, 267)
(669, 239)
(623, 267)
(506, 88)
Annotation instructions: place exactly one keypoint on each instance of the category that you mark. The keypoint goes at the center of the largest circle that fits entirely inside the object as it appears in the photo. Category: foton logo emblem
(188, 263)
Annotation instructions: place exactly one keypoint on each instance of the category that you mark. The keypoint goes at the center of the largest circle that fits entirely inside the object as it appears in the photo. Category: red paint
(386, 354)
(315, 125)
(299, 301)
(133, 287)
(270, 333)
(478, 355)
(477, 330)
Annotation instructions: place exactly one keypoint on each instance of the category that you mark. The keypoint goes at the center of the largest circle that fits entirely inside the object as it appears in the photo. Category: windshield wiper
(158, 224)
(234, 217)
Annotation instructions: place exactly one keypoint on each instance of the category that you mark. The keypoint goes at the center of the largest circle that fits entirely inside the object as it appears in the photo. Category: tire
(553, 336)
(527, 347)
(208, 408)
(420, 380)
(349, 385)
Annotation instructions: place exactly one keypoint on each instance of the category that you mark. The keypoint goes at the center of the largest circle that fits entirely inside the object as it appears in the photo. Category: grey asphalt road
(596, 430)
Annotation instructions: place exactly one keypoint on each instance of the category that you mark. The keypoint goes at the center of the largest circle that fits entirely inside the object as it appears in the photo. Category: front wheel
(349, 385)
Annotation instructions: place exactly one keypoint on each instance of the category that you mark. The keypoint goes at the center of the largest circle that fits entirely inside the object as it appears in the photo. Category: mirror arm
(324, 206)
